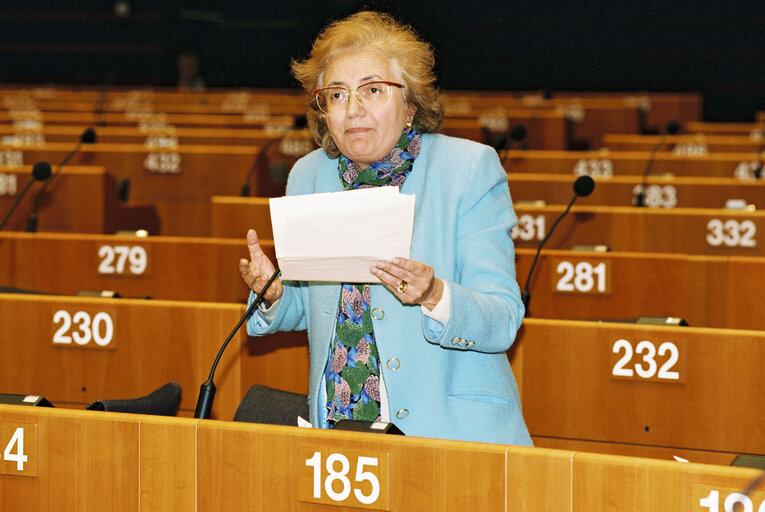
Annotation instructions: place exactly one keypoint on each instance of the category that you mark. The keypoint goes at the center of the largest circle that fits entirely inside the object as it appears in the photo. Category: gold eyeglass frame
(356, 90)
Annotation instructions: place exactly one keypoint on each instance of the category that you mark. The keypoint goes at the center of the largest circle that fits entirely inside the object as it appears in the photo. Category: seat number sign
(19, 451)
(349, 479)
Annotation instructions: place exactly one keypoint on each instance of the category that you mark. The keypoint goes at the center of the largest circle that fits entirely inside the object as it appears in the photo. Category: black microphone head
(41, 171)
(518, 133)
(584, 185)
(300, 122)
(672, 127)
(88, 136)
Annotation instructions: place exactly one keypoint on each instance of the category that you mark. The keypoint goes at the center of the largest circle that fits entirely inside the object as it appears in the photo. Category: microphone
(40, 172)
(298, 123)
(517, 134)
(87, 137)
(583, 186)
(207, 390)
(671, 128)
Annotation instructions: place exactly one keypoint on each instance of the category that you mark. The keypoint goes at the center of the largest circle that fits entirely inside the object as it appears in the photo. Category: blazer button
(402, 413)
(378, 314)
(394, 364)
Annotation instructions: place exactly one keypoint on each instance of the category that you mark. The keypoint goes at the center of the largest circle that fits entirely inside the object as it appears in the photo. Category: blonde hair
(395, 40)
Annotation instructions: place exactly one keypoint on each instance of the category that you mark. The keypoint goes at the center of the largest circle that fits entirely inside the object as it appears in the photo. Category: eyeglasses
(372, 95)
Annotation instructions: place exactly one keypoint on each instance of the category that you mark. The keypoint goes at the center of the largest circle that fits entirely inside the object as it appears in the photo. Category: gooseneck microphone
(583, 186)
(671, 128)
(207, 390)
(87, 137)
(517, 134)
(40, 172)
(298, 123)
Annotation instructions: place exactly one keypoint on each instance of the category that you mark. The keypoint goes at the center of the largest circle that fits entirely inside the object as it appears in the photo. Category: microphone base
(32, 223)
(377, 427)
(205, 401)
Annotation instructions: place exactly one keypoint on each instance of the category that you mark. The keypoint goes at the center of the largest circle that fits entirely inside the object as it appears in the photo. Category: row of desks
(625, 388)
(85, 460)
(171, 191)
(694, 144)
(701, 231)
(590, 116)
(709, 291)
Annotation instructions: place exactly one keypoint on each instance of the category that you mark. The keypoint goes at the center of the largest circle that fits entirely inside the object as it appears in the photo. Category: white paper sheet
(339, 236)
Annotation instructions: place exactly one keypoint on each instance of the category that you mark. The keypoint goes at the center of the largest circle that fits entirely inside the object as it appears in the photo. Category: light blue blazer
(448, 381)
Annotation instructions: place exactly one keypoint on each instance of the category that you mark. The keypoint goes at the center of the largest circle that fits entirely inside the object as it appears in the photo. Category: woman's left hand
(411, 281)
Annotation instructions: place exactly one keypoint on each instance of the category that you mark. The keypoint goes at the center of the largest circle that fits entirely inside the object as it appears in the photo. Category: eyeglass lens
(372, 94)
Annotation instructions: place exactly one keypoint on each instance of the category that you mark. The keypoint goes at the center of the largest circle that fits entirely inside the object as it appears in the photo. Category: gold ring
(402, 286)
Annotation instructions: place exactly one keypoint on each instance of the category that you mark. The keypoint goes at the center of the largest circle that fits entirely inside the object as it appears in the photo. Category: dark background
(716, 48)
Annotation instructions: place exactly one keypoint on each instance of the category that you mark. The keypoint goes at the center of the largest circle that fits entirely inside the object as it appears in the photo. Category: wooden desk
(661, 192)
(707, 291)
(715, 232)
(231, 217)
(755, 131)
(617, 163)
(79, 199)
(88, 460)
(646, 390)
(131, 347)
(176, 182)
(166, 268)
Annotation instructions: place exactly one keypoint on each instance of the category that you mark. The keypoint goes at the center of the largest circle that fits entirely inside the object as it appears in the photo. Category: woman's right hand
(259, 269)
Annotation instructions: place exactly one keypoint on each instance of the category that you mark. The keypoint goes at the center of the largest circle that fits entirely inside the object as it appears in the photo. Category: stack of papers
(339, 236)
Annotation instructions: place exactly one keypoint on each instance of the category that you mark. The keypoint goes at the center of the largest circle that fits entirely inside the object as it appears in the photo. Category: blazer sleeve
(290, 313)
(485, 308)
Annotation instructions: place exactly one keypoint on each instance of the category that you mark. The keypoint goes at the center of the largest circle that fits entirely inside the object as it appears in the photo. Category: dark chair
(161, 402)
(272, 406)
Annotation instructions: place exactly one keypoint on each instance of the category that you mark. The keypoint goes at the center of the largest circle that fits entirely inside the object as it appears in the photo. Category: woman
(425, 347)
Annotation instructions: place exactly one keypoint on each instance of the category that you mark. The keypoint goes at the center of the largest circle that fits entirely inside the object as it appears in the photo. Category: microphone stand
(207, 390)
(583, 186)
(525, 295)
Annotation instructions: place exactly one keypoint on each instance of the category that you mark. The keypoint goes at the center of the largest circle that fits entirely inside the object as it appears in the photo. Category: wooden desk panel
(679, 144)
(153, 342)
(150, 463)
(160, 138)
(550, 130)
(167, 268)
(661, 192)
(707, 291)
(715, 232)
(86, 461)
(231, 217)
(79, 199)
(755, 131)
(150, 121)
(570, 391)
(617, 163)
